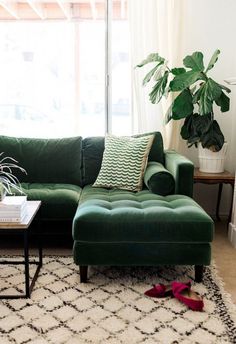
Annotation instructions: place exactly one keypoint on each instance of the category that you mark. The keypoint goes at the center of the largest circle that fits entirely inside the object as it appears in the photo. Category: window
(120, 74)
(53, 75)
(37, 86)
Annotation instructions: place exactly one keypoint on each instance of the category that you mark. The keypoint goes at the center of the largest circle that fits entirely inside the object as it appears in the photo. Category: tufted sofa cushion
(59, 201)
(122, 216)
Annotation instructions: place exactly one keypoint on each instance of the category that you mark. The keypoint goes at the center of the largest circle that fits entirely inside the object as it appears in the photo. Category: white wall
(211, 25)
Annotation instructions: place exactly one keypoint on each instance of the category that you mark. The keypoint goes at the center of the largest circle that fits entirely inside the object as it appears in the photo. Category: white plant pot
(211, 162)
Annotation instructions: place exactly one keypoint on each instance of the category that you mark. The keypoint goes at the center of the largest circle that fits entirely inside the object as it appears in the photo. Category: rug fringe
(231, 306)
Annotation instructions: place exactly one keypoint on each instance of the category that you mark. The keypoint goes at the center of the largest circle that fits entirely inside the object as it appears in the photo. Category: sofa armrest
(182, 169)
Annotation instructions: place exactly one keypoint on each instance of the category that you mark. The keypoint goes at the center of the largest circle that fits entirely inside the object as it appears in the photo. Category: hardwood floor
(224, 255)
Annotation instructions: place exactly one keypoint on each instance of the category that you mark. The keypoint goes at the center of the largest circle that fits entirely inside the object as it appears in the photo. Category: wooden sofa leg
(83, 269)
(199, 269)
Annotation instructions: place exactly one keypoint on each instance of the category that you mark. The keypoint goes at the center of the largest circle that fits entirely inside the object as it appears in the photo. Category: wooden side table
(216, 178)
(23, 228)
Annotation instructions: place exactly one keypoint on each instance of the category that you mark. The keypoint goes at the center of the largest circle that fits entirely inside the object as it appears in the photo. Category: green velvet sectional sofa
(161, 224)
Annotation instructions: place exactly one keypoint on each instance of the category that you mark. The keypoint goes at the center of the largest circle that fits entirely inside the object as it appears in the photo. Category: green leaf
(182, 105)
(159, 72)
(213, 60)
(213, 138)
(168, 115)
(193, 128)
(214, 89)
(197, 95)
(188, 130)
(194, 61)
(177, 71)
(223, 101)
(159, 89)
(184, 80)
(149, 75)
(154, 57)
(210, 92)
(225, 88)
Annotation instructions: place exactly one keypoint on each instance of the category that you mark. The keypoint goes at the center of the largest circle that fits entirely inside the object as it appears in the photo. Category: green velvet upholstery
(122, 216)
(92, 152)
(142, 253)
(157, 151)
(158, 179)
(59, 201)
(182, 169)
(45, 160)
(113, 225)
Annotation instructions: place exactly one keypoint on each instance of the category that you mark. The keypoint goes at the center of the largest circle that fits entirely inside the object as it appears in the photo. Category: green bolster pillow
(158, 179)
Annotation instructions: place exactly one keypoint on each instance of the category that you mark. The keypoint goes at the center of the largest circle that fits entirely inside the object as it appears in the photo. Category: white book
(13, 202)
(14, 218)
(5, 212)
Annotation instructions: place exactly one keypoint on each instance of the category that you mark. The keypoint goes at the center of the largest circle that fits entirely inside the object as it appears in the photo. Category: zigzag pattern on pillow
(124, 162)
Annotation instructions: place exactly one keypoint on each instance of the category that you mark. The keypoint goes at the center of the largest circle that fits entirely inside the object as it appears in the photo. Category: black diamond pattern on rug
(111, 307)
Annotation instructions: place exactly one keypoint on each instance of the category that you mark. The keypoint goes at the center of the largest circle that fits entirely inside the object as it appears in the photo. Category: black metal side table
(23, 228)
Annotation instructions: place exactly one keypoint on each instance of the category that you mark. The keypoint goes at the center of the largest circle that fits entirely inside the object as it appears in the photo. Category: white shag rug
(111, 308)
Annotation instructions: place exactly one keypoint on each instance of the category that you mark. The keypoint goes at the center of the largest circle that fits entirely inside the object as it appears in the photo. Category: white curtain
(155, 26)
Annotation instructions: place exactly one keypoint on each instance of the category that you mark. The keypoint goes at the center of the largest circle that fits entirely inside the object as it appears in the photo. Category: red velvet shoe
(190, 298)
(159, 290)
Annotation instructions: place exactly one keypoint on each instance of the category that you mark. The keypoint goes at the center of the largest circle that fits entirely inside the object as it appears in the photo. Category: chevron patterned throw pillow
(124, 162)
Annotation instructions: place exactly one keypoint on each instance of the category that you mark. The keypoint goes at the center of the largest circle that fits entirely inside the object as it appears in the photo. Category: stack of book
(13, 209)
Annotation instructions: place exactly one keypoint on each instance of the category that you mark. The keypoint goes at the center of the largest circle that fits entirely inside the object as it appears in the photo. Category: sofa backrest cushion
(45, 160)
(157, 149)
(92, 153)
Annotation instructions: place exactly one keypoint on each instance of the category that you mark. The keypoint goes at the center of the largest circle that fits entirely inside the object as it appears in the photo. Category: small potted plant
(8, 181)
(195, 96)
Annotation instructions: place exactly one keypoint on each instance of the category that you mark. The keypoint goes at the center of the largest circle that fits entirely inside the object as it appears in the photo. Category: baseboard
(232, 234)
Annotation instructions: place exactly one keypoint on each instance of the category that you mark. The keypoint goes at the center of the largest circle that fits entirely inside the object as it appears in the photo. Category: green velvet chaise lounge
(116, 227)
(159, 225)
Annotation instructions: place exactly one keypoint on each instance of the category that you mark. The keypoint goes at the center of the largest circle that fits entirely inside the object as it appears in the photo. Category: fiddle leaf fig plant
(195, 96)
(8, 181)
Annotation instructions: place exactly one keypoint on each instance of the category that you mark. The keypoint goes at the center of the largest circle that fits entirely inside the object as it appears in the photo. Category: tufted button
(122, 216)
